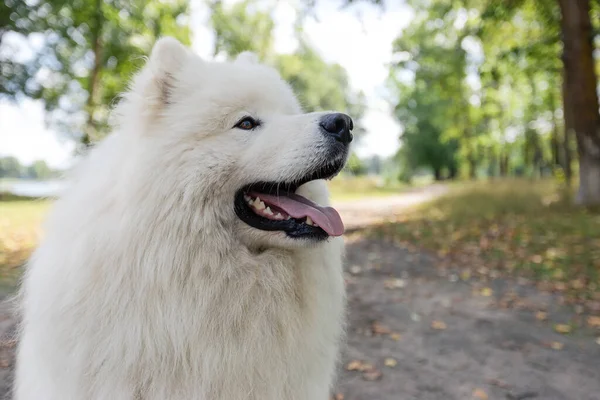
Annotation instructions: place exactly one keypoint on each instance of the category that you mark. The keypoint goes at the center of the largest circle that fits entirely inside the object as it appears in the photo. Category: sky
(359, 38)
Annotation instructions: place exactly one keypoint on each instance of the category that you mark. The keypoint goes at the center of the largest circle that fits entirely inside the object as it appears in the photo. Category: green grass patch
(20, 230)
(516, 226)
(350, 188)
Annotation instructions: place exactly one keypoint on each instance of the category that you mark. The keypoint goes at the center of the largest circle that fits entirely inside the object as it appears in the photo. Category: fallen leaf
(394, 283)
(372, 375)
(395, 336)
(541, 315)
(577, 284)
(390, 362)
(562, 328)
(357, 365)
(557, 345)
(337, 396)
(438, 325)
(486, 292)
(537, 259)
(480, 394)
(379, 329)
(594, 322)
(354, 365)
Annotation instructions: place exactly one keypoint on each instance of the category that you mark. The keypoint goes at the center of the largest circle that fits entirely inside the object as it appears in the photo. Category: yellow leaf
(395, 336)
(541, 316)
(354, 365)
(379, 329)
(562, 328)
(394, 283)
(486, 292)
(577, 284)
(390, 362)
(439, 325)
(557, 345)
(594, 321)
(480, 394)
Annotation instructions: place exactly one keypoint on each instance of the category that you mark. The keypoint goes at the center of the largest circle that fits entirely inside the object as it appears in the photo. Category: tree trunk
(453, 172)
(557, 158)
(581, 86)
(96, 40)
(568, 133)
(503, 160)
(437, 174)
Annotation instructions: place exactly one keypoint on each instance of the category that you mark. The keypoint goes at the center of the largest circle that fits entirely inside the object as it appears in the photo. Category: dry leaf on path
(557, 345)
(357, 365)
(390, 362)
(394, 283)
(379, 329)
(594, 322)
(438, 325)
(395, 336)
(486, 292)
(480, 394)
(562, 328)
(541, 315)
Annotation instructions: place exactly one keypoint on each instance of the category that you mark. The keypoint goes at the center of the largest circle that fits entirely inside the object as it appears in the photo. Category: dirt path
(452, 344)
(362, 212)
(439, 336)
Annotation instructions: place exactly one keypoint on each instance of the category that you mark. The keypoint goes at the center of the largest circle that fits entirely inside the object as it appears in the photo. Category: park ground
(478, 291)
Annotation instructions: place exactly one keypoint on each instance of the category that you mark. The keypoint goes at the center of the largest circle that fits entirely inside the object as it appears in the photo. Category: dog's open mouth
(275, 206)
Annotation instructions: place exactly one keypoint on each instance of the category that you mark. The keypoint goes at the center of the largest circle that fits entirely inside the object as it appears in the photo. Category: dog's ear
(167, 58)
(247, 57)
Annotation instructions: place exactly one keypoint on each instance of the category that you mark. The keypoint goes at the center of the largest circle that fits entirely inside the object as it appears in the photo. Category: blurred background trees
(482, 88)
(499, 88)
(86, 52)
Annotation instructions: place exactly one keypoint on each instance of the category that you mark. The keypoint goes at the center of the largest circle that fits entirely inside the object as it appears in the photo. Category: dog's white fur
(148, 286)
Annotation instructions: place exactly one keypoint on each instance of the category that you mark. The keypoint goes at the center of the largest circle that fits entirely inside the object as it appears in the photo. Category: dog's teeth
(278, 216)
(288, 217)
(267, 210)
(247, 198)
(258, 204)
(309, 221)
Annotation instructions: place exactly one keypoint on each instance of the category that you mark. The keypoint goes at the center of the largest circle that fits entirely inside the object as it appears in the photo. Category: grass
(20, 231)
(351, 188)
(515, 227)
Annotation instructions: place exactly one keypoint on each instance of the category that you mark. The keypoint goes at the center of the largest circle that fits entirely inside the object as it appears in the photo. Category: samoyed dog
(193, 255)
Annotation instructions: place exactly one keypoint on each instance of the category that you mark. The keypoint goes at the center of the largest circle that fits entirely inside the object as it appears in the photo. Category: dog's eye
(247, 123)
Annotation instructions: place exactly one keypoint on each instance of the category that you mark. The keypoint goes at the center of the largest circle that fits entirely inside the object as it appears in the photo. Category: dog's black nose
(339, 126)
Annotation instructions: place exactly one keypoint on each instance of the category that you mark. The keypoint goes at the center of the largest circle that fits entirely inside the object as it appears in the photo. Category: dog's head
(232, 137)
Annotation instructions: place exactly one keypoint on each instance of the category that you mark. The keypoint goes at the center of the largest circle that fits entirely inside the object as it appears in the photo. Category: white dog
(185, 260)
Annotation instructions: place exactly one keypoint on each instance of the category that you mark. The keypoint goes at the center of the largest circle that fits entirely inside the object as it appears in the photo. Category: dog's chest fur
(179, 322)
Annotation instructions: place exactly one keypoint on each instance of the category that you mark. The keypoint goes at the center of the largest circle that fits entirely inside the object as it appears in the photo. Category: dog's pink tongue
(298, 207)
